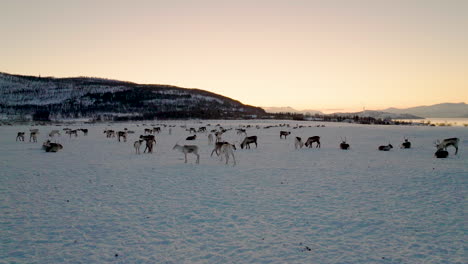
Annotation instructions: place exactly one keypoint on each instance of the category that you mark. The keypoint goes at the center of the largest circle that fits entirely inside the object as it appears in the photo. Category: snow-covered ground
(96, 201)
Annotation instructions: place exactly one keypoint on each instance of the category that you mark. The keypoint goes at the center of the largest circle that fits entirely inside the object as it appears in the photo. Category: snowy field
(96, 201)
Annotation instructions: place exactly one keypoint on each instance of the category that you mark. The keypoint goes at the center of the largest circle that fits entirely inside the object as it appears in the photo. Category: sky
(326, 55)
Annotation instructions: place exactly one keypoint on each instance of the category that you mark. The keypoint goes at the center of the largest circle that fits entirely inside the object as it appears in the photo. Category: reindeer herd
(221, 148)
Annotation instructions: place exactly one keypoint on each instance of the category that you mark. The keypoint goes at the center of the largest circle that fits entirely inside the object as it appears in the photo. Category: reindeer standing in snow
(228, 150)
(311, 140)
(188, 149)
(137, 146)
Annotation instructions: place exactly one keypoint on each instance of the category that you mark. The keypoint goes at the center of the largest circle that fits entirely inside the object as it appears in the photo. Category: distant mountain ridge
(288, 109)
(91, 97)
(379, 115)
(438, 110)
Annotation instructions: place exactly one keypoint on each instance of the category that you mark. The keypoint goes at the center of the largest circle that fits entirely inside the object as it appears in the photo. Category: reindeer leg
(198, 158)
(185, 157)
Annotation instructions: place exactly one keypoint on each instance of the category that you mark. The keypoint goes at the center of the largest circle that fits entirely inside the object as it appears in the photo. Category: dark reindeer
(386, 148)
(344, 145)
(191, 137)
(448, 142)
(20, 136)
(311, 140)
(284, 134)
(406, 144)
(441, 154)
(249, 140)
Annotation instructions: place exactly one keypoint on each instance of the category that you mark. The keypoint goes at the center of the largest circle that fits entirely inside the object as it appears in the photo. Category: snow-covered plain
(96, 201)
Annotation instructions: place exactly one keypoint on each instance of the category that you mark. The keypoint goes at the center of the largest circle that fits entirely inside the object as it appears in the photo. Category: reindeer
(343, 144)
(33, 136)
(137, 145)
(147, 137)
(218, 136)
(150, 141)
(201, 129)
(406, 144)
(210, 139)
(191, 137)
(284, 134)
(53, 133)
(227, 150)
(122, 134)
(241, 131)
(187, 149)
(441, 154)
(311, 140)
(249, 140)
(84, 130)
(72, 132)
(53, 147)
(192, 130)
(448, 142)
(46, 144)
(149, 145)
(298, 143)
(218, 146)
(148, 131)
(386, 148)
(109, 133)
(20, 136)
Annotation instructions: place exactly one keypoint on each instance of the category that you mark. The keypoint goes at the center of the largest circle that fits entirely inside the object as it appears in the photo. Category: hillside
(96, 97)
(437, 110)
(288, 109)
(379, 115)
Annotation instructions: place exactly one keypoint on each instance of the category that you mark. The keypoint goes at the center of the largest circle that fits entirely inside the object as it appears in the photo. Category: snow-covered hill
(87, 97)
(438, 110)
(379, 115)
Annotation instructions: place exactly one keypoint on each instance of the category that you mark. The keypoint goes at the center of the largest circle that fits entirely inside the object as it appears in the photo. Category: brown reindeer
(314, 139)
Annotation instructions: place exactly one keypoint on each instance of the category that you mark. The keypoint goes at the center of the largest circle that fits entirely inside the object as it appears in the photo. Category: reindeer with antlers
(343, 144)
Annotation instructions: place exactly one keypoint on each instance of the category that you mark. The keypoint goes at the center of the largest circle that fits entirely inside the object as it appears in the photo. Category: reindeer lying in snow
(441, 154)
(386, 148)
(191, 137)
(406, 144)
(344, 145)
(188, 149)
(448, 142)
(311, 140)
(51, 147)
